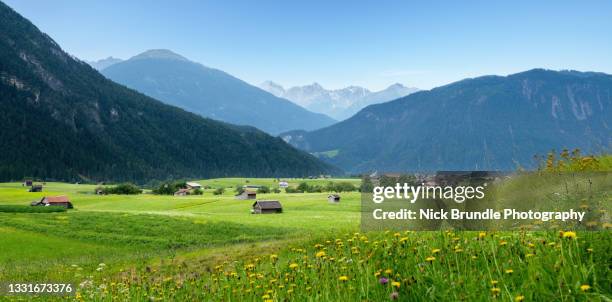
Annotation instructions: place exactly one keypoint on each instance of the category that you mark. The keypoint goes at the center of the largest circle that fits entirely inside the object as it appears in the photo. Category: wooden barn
(333, 198)
(194, 185)
(36, 188)
(182, 192)
(267, 207)
(61, 201)
(246, 194)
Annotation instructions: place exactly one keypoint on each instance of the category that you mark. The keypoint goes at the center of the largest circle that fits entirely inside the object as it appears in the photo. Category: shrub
(239, 189)
(263, 190)
(168, 188)
(292, 190)
(276, 190)
(219, 191)
(197, 192)
(122, 189)
(303, 187)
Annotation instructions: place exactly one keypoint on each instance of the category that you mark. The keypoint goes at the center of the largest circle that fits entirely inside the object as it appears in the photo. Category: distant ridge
(340, 103)
(212, 93)
(485, 123)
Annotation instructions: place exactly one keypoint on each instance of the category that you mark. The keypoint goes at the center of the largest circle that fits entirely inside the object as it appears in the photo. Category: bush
(219, 191)
(197, 192)
(122, 189)
(30, 209)
(239, 189)
(292, 190)
(344, 187)
(263, 190)
(366, 185)
(302, 187)
(276, 190)
(168, 188)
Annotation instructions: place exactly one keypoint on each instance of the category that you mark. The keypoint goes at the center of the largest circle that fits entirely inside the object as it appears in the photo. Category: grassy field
(210, 248)
(124, 229)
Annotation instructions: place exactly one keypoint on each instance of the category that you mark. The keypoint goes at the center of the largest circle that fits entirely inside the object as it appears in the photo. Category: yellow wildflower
(395, 283)
(495, 291)
(430, 259)
(519, 298)
(293, 265)
(569, 234)
(343, 278)
(509, 271)
(434, 251)
(585, 287)
(482, 235)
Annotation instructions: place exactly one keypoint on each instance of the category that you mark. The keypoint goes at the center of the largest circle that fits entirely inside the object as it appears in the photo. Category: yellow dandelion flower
(395, 284)
(509, 271)
(343, 278)
(388, 271)
(569, 234)
(376, 274)
(585, 287)
(293, 265)
(430, 259)
(265, 296)
(434, 251)
(519, 298)
(403, 239)
(590, 250)
(529, 255)
(503, 242)
(482, 235)
(397, 235)
(494, 282)
(495, 291)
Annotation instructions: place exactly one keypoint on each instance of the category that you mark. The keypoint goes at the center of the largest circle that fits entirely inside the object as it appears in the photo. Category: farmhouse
(182, 192)
(333, 198)
(194, 185)
(247, 195)
(61, 201)
(36, 188)
(267, 207)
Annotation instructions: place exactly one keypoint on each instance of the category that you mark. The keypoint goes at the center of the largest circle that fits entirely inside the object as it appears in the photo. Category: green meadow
(211, 248)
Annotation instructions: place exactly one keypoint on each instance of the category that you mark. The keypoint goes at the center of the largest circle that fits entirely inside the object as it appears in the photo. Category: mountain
(177, 81)
(485, 123)
(340, 103)
(103, 63)
(61, 119)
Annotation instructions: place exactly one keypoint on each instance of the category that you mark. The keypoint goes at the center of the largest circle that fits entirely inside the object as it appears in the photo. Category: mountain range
(175, 80)
(340, 104)
(104, 63)
(484, 123)
(61, 119)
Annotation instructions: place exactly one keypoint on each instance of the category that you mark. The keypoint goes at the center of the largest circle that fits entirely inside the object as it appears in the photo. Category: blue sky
(340, 43)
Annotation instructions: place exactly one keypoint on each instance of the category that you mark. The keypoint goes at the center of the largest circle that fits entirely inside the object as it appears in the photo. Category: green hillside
(61, 119)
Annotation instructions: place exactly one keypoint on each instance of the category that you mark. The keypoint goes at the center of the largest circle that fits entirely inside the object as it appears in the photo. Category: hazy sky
(340, 43)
